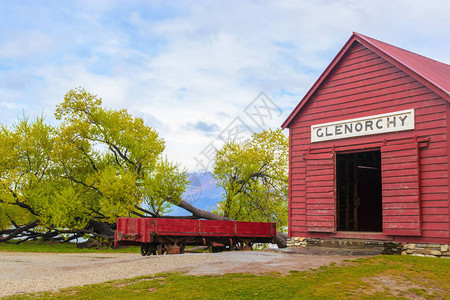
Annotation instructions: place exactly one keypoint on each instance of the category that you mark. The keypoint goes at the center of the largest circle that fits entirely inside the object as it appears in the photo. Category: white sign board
(391, 122)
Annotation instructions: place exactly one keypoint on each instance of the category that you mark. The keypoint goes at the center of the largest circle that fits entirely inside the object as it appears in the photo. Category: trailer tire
(145, 249)
(217, 249)
(148, 249)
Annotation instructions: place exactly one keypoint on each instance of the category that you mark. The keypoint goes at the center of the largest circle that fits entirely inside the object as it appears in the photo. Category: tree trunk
(200, 213)
(97, 229)
(280, 238)
(101, 228)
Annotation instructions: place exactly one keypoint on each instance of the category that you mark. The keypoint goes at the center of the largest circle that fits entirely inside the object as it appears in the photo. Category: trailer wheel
(145, 249)
(217, 249)
(153, 249)
(174, 247)
(161, 249)
(182, 248)
(148, 249)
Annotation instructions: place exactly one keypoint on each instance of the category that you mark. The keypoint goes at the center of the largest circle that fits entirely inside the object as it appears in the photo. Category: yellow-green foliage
(25, 161)
(163, 186)
(8, 212)
(254, 175)
(98, 163)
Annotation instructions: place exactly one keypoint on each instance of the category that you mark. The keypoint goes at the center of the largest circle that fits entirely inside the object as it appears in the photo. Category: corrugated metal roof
(437, 73)
(432, 73)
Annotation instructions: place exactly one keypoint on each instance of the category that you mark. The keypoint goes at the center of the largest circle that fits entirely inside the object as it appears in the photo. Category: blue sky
(191, 68)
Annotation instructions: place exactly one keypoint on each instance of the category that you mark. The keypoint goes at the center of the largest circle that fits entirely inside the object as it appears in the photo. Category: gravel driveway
(23, 272)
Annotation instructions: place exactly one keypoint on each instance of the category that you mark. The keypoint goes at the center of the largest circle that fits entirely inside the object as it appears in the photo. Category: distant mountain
(202, 193)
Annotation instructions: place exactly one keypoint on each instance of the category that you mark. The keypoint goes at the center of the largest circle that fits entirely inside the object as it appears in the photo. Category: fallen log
(200, 213)
(280, 239)
(16, 232)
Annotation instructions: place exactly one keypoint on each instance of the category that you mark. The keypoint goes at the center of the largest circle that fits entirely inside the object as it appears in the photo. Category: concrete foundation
(381, 247)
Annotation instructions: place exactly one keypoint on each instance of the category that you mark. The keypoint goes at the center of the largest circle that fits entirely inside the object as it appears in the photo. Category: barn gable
(371, 78)
(429, 72)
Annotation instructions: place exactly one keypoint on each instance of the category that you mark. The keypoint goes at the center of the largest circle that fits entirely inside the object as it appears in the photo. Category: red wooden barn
(369, 148)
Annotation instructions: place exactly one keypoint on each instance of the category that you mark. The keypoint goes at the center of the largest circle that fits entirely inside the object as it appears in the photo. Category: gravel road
(33, 272)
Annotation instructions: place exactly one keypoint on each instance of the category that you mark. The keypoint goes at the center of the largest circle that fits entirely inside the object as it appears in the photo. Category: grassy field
(381, 277)
(40, 246)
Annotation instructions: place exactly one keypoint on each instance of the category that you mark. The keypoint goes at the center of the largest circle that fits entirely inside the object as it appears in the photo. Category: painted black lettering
(328, 133)
(358, 127)
(389, 122)
(378, 124)
(369, 124)
(338, 129)
(403, 119)
(348, 128)
(319, 132)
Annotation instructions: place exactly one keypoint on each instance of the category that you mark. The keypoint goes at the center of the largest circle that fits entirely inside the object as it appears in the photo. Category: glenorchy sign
(391, 122)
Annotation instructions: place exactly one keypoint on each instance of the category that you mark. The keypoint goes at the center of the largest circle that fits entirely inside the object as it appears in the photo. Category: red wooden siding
(298, 191)
(364, 84)
(320, 190)
(401, 192)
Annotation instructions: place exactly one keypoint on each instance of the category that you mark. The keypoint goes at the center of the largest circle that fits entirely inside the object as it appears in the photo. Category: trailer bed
(158, 235)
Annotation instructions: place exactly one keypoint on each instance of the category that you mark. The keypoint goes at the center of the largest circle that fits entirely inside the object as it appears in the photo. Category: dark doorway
(359, 191)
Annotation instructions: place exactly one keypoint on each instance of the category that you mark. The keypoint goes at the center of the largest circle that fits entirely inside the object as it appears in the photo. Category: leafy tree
(254, 175)
(99, 164)
(25, 161)
(113, 159)
(75, 179)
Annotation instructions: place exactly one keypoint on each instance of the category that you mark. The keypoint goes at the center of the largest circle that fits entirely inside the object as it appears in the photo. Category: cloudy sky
(194, 69)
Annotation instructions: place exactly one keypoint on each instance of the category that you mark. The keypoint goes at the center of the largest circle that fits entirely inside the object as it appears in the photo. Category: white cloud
(179, 63)
(21, 44)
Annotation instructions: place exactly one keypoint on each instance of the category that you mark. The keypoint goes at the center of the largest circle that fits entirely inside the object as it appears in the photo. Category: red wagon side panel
(176, 227)
(143, 230)
(217, 228)
(255, 229)
(134, 229)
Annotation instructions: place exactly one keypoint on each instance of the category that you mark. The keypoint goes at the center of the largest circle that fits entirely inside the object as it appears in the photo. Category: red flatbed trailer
(160, 235)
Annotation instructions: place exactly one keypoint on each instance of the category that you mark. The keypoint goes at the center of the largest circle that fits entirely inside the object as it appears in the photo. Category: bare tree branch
(80, 182)
(137, 214)
(19, 230)
(145, 211)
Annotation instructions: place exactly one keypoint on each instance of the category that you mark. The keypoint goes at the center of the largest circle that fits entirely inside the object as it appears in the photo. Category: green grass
(381, 277)
(41, 246)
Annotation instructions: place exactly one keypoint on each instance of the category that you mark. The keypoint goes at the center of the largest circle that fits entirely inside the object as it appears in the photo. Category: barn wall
(364, 84)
